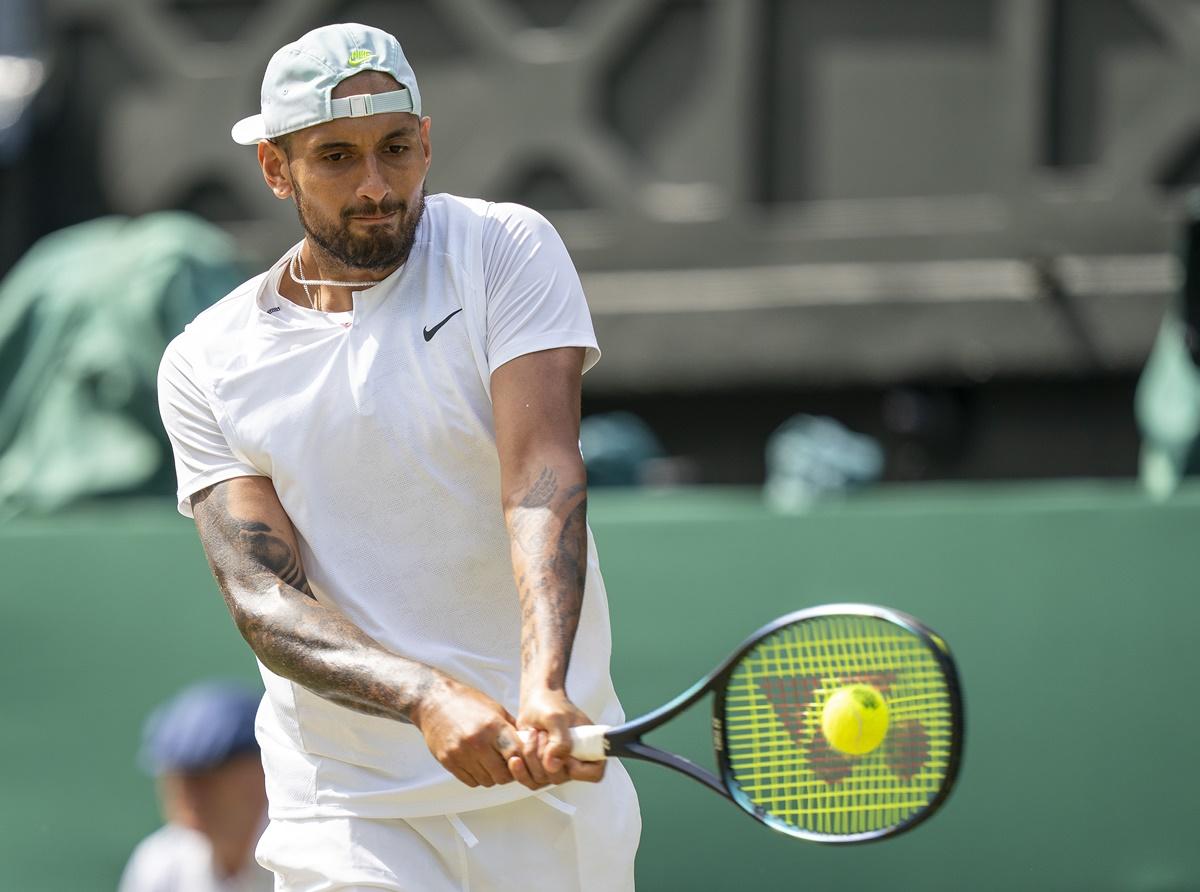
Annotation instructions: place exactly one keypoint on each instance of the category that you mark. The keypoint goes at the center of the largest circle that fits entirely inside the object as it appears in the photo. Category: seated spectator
(201, 748)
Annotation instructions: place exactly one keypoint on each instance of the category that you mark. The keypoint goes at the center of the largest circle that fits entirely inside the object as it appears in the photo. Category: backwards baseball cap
(301, 76)
(199, 728)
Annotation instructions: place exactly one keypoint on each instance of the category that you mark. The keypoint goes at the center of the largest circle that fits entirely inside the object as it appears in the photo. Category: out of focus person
(200, 746)
(1168, 394)
(617, 449)
(812, 457)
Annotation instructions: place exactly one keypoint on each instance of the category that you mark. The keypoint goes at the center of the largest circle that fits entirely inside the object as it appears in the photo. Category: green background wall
(1072, 610)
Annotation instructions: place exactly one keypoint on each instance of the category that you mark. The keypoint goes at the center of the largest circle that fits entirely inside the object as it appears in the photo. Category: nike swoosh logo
(430, 332)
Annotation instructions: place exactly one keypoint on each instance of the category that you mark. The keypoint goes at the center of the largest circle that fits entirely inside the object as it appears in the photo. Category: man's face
(359, 183)
(228, 800)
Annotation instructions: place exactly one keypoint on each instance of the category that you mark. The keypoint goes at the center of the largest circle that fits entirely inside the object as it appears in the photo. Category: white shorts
(577, 837)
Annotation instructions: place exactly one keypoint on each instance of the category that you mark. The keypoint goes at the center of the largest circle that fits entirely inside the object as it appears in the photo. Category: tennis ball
(855, 719)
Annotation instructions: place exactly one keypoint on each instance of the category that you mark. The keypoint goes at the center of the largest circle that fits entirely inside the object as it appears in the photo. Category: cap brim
(248, 131)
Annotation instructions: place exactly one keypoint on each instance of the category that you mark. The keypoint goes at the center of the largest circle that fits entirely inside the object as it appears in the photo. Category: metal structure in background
(882, 191)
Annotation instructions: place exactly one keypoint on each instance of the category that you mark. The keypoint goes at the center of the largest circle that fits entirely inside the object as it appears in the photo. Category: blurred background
(895, 306)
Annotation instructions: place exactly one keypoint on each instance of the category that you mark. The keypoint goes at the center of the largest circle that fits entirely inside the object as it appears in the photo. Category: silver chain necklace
(296, 271)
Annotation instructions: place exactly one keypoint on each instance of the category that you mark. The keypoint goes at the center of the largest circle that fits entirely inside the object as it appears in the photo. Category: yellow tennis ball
(855, 719)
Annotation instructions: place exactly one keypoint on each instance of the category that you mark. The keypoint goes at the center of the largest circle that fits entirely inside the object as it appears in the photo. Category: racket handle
(587, 742)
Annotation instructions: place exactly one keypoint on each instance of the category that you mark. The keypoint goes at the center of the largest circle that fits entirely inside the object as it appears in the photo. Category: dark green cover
(84, 319)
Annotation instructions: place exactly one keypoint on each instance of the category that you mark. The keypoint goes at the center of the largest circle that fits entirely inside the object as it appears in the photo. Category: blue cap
(199, 728)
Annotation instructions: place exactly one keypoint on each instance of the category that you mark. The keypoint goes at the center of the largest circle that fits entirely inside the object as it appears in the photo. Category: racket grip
(587, 742)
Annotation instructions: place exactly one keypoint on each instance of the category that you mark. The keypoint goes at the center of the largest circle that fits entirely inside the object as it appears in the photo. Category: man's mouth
(374, 218)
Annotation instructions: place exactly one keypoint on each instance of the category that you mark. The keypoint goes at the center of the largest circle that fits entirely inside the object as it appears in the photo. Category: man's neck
(316, 264)
(230, 856)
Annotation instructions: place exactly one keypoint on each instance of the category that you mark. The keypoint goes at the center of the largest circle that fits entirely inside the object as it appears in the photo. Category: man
(200, 746)
(378, 439)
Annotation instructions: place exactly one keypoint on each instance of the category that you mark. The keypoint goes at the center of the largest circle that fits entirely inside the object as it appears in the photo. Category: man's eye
(397, 149)
(335, 156)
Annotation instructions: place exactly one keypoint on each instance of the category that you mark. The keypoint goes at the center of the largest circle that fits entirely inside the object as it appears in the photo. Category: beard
(379, 249)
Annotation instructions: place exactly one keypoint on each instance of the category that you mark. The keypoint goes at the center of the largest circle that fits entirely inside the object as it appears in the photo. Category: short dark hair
(284, 141)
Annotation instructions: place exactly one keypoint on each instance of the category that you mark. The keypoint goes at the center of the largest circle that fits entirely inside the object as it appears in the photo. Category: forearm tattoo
(262, 579)
(549, 533)
(542, 490)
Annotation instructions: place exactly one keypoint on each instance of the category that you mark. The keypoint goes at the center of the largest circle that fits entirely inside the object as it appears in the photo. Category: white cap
(301, 76)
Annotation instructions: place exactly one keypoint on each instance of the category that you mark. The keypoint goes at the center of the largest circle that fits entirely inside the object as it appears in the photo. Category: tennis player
(378, 440)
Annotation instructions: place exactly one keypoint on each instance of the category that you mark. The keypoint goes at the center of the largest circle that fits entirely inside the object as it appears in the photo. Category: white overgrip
(587, 743)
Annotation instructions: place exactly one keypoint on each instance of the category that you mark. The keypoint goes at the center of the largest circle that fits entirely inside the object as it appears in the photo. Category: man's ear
(426, 145)
(275, 168)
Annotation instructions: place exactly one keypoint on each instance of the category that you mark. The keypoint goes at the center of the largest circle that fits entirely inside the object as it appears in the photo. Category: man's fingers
(531, 744)
(554, 760)
(469, 774)
(558, 747)
(584, 771)
(517, 767)
(536, 751)
(496, 768)
(476, 764)
(512, 747)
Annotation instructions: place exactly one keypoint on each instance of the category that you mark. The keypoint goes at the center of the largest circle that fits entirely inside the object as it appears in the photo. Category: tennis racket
(777, 712)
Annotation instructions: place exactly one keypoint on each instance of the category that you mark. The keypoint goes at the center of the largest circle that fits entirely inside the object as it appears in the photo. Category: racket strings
(777, 751)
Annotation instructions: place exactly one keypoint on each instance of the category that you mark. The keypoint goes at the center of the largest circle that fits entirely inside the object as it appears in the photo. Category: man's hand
(547, 751)
(469, 733)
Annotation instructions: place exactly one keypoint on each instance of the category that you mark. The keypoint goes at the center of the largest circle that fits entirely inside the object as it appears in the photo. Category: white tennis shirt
(375, 426)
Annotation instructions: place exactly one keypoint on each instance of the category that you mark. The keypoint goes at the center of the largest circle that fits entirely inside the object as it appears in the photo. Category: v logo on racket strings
(798, 701)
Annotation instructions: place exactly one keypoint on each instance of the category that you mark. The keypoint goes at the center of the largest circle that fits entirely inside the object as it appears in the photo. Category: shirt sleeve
(534, 298)
(202, 453)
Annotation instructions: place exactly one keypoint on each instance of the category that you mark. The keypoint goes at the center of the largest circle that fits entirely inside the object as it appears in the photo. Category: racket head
(772, 754)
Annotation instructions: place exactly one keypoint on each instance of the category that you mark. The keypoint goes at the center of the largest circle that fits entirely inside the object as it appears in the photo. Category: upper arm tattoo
(236, 546)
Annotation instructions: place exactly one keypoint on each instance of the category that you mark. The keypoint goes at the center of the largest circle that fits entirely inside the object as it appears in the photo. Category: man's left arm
(536, 405)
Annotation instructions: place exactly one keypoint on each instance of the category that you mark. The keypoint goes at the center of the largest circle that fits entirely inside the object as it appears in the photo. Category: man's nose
(374, 186)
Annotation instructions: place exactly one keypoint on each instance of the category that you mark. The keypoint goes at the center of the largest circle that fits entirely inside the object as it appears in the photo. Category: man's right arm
(252, 549)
